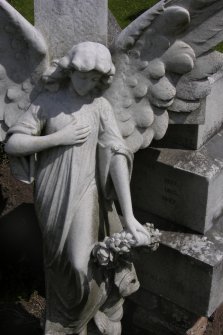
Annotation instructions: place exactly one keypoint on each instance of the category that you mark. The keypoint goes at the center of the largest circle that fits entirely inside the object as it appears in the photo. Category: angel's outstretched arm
(23, 144)
(120, 176)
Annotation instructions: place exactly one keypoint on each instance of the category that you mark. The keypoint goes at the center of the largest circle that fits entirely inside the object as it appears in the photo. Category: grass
(219, 47)
(25, 7)
(124, 10)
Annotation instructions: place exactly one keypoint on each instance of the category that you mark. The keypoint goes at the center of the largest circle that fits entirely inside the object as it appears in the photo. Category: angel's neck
(85, 98)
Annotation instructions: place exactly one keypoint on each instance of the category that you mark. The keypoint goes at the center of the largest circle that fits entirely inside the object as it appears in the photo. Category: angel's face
(85, 82)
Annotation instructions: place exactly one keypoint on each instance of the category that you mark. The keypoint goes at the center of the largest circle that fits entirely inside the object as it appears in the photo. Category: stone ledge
(187, 269)
(182, 186)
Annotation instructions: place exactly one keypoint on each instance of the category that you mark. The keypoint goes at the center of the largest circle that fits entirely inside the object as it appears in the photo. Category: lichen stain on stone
(199, 248)
(200, 164)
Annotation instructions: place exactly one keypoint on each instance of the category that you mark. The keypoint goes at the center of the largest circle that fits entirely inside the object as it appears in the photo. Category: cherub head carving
(88, 65)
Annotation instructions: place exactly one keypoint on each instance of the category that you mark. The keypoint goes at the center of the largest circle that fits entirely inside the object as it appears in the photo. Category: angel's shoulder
(105, 108)
(47, 102)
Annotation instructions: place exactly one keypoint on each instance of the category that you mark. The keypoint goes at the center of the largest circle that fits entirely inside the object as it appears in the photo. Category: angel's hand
(73, 134)
(140, 234)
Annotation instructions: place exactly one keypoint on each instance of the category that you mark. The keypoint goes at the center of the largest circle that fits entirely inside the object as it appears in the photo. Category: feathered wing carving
(157, 59)
(23, 58)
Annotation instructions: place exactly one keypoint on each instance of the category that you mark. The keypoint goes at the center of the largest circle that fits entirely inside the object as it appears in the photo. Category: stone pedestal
(182, 186)
(149, 314)
(187, 269)
(159, 316)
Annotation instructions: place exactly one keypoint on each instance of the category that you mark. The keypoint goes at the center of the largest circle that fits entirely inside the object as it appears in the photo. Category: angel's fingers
(135, 235)
(141, 229)
(83, 131)
(81, 127)
(81, 136)
(81, 141)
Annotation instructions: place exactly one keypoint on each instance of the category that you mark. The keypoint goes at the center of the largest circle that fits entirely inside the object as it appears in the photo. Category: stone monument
(74, 115)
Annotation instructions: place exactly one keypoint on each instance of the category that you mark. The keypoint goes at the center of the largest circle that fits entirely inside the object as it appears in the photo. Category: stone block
(156, 325)
(148, 314)
(166, 318)
(195, 117)
(182, 186)
(65, 23)
(187, 270)
(191, 135)
(160, 316)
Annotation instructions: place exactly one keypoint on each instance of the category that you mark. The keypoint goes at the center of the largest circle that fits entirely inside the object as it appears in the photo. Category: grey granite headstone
(182, 186)
(187, 270)
(65, 23)
(159, 316)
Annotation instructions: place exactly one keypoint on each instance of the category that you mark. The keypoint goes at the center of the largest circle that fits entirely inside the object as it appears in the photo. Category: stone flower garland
(117, 248)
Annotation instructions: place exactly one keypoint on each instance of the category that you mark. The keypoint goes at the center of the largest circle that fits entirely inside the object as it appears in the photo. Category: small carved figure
(77, 143)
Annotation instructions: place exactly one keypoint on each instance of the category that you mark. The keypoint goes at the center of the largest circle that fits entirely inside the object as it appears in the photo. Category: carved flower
(120, 242)
(118, 246)
(102, 254)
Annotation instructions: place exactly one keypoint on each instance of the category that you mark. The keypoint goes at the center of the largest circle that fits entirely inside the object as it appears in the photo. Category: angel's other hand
(140, 234)
(74, 133)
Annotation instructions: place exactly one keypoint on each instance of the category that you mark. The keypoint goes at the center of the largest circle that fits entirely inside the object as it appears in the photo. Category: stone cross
(65, 23)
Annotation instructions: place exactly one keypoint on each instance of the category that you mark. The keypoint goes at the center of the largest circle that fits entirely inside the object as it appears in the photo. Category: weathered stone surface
(65, 23)
(150, 314)
(182, 186)
(160, 316)
(113, 28)
(193, 88)
(187, 270)
(193, 136)
(191, 112)
(157, 325)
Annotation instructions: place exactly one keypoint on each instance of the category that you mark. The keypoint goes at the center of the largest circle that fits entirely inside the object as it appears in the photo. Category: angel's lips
(161, 103)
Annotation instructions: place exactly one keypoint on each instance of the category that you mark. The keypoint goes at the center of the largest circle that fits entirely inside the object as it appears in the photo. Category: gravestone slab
(182, 186)
(160, 316)
(65, 23)
(187, 269)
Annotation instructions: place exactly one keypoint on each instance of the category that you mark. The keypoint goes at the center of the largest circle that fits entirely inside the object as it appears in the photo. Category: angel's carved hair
(83, 57)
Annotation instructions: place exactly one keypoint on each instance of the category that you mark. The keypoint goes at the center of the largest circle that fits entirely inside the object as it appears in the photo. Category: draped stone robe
(72, 188)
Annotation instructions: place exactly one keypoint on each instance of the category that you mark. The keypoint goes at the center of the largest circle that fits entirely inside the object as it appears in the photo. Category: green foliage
(219, 47)
(25, 7)
(124, 11)
(127, 10)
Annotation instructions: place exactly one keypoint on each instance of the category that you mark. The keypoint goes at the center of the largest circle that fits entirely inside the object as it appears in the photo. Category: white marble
(74, 123)
(80, 160)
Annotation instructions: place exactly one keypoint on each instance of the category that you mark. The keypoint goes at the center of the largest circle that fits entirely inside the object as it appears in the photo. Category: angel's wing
(22, 61)
(152, 56)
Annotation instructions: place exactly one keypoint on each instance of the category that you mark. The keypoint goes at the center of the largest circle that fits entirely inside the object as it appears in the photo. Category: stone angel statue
(73, 125)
